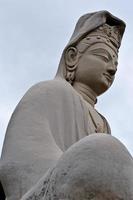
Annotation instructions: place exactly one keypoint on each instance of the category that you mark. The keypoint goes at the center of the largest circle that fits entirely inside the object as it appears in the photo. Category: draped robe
(48, 120)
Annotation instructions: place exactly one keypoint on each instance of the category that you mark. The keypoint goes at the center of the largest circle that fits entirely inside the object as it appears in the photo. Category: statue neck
(86, 92)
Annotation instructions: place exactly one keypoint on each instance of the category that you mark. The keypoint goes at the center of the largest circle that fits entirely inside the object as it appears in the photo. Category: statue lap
(98, 167)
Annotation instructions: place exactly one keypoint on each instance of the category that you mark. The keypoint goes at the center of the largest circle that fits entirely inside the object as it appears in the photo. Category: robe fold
(48, 120)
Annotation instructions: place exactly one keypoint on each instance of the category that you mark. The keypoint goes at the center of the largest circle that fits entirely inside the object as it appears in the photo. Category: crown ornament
(111, 33)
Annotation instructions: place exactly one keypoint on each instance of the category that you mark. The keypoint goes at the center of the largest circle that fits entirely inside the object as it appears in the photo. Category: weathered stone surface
(53, 115)
(98, 167)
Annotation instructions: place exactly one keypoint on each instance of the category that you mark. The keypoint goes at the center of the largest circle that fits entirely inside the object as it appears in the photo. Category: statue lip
(108, 76)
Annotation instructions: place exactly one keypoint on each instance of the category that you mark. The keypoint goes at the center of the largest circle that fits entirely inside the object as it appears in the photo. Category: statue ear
(71, 56)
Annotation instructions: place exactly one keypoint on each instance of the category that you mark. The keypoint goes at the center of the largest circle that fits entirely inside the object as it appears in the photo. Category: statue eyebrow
(101, 50)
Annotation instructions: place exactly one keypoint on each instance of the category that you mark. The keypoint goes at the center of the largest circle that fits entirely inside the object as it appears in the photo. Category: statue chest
(96, 124)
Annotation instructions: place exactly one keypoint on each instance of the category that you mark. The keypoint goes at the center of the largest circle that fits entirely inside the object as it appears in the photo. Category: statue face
(97, 67)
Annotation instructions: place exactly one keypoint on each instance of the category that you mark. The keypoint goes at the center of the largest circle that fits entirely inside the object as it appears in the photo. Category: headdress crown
(101, 24)
(110, 33)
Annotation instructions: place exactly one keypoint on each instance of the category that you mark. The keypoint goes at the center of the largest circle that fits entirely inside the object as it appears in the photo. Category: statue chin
(98, 167)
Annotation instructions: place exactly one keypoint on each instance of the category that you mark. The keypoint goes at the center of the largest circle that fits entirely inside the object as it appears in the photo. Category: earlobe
(71, 60)
(71, 56)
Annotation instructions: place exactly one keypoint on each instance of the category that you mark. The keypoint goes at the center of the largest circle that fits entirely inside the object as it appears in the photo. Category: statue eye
(104, 57)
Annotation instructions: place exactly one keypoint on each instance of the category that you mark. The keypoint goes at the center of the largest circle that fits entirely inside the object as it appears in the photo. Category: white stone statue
(54, 115)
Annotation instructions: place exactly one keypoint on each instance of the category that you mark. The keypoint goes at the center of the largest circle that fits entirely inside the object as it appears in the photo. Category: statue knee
(98, 166)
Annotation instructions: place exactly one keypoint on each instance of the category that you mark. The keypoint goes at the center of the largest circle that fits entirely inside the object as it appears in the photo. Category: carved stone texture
(98, 167)
(53, 115)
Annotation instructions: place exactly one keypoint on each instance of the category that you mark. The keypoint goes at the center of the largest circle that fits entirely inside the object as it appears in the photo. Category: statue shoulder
(46, 93)
(48, 87)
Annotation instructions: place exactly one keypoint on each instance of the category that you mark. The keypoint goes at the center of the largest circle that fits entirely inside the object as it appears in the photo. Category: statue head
(91, 56)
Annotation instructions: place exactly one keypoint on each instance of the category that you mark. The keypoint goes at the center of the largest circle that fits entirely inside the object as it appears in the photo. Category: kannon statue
(57, 145)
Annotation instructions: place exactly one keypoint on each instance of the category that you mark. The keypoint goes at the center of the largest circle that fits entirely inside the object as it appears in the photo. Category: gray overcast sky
(33, 34)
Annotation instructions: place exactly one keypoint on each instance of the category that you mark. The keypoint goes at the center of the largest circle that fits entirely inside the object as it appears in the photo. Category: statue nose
(112, 70)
